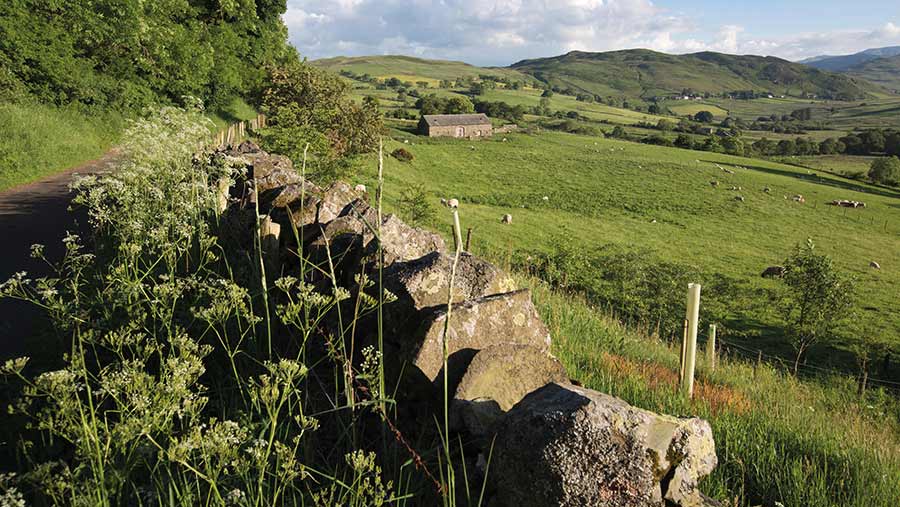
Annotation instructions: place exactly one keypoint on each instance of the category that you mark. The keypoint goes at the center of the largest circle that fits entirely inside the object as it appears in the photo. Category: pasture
(659, 201)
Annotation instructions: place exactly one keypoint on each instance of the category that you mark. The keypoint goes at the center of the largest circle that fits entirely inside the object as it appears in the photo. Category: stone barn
(456, 125)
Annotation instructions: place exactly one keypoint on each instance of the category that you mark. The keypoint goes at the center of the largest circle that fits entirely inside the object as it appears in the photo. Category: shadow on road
(29, 214)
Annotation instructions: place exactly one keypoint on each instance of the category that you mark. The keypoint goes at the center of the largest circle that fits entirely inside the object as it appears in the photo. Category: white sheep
(507, 219)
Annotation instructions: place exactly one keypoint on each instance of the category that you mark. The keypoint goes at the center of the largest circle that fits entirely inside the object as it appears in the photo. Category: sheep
(714, 183)
(767, 190)
(453, 203)
(546, 198)
(739, 198)
(507, 219)
(360, 188)
(874, 265)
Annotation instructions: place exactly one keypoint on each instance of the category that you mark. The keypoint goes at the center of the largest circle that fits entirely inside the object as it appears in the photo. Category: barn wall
(470, 131)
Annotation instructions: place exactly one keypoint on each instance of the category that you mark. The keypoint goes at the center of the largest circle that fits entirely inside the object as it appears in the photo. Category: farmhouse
(456, 125)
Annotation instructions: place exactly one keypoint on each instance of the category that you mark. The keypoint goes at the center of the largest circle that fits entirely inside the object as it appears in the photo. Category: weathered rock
(564, 445)
(339, 199)
(773, 272)
(401, 242)
(261, 164)
(423, 282)
(497, 378)
(474, 325)
(294, 193)
(274, 181)
(248, 147)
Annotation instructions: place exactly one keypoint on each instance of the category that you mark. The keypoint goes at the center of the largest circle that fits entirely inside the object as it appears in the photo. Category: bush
(414, 206)
(704, 117)
(402, 155)
(886, 171)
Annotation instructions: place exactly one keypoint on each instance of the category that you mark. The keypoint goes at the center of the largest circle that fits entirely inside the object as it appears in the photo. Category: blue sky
(500, 32)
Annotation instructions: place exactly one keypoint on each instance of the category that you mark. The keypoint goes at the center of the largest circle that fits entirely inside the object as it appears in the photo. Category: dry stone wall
(555, 443)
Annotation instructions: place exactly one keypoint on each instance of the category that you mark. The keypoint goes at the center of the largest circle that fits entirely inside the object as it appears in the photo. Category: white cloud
(500, 32)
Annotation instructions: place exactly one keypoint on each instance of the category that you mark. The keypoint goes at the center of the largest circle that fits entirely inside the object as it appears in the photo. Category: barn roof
(452, 120)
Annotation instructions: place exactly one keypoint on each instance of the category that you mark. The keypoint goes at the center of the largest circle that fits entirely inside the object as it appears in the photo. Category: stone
(498, 377)
(773, 272)
(321, 207)
(401, 242)
(275, 180)
(294, 193)
(508, 318)
(423, 282)
(568, 446)
(261, 164)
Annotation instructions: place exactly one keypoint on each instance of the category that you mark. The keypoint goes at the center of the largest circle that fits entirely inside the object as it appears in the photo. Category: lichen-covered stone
(401, 242)
(423, 282)
(498, 377)
(475, 325)
(564, 445)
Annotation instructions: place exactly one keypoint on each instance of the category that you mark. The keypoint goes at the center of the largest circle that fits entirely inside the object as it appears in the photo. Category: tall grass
(37, 140)
(778, 439)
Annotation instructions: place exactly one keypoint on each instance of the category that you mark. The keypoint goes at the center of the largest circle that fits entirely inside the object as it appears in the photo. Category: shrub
(415, 207)
(402, 155)
(886, 171)
(704, 117)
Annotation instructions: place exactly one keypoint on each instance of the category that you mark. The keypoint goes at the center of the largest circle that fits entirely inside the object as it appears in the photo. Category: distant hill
(881, 71)
(407, 68)
(646, 73)
(846, 62)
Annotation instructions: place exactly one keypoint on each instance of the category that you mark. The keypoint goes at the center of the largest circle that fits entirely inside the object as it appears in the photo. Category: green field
(685, 108)
(645, 197)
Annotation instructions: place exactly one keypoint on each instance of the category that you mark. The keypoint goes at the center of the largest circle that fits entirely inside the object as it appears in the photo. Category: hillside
(847, 62)
(881, 71)
(408, 68)
(646, 74)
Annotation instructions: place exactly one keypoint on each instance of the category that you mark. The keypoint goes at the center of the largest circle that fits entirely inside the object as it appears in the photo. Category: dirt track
(36, 213)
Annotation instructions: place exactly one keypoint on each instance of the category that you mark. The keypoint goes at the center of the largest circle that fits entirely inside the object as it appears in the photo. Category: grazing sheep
(739, 198)
(767, 190)
(361, 188)
(453, 203)
(507, 219)
(874, 265)
(406, 141)
(714, 183)
(443, 201)
(799, 198)
(546, 198)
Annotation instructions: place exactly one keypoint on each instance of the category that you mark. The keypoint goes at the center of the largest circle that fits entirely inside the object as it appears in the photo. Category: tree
(619, 133)
(830, 146)
(654, 109)
(459, 105)
(816, 297)
(665, 125)
(786, 147)
(684, 141)
(476, 89)
(543, 108)
(733, 145)
(704, 117)
(886, 171)
(548, 93)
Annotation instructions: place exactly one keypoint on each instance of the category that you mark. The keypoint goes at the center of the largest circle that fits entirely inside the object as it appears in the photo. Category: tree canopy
(127, 54)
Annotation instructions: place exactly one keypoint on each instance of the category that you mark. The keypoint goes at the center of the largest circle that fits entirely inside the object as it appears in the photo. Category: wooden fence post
(468, 239)
(269, 233)
(711, 347)
(683, 354)
(690, 356)
(222, 194)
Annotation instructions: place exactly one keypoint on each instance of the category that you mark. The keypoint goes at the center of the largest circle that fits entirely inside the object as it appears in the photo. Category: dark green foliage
(309, 107)
(127, 54)
(501, 109)
(704, 117)
(435, 104)
(886, 171)
(402, 155)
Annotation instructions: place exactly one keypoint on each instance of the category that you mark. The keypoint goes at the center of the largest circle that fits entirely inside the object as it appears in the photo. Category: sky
(501, 32)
